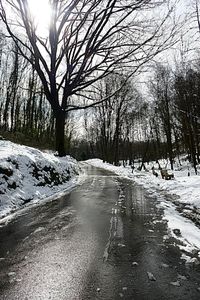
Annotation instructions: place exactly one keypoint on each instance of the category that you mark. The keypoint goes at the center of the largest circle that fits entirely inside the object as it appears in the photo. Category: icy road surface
(104, 240)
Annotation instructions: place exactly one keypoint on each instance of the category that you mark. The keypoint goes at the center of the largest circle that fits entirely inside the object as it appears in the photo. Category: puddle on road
(133, 212)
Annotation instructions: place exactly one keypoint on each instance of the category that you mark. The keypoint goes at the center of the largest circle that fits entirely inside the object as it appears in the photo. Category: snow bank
(27, 174)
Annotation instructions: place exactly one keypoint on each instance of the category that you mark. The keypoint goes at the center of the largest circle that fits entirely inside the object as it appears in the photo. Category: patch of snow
(175, 283)
(121, 245)
(151, 276)
(190, 260)
(11, 274)
(39, 229)
(190, 234)
(164, 266)
(182, 277)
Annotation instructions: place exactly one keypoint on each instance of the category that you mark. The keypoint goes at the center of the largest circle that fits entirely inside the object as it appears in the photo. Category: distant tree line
(127, 127)
(176, 111)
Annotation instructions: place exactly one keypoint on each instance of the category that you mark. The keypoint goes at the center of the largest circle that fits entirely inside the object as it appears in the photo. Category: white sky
(41, 12)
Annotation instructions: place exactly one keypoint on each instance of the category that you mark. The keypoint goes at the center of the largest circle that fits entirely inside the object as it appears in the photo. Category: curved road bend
(98, 242)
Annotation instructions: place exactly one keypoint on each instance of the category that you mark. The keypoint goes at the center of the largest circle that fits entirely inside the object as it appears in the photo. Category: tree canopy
(85, 41)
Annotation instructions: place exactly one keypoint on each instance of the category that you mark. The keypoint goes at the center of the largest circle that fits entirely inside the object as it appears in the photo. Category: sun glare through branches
(41, 13)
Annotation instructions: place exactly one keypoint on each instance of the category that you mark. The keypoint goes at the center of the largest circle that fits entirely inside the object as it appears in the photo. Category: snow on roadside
(27, 174)
(189, 233)
(185, 190)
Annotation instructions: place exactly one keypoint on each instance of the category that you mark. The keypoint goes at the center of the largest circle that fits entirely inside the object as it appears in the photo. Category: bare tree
(187, 102)
(197, 14)
(11, 91)
(161, 90)
(86, 40)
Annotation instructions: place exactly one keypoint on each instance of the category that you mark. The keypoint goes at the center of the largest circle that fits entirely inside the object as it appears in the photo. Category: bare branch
(86, 41)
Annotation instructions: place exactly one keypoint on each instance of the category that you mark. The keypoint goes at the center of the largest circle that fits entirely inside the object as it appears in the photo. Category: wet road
(98, 242)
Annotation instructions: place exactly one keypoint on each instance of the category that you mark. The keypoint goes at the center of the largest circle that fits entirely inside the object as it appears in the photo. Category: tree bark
(60, 133)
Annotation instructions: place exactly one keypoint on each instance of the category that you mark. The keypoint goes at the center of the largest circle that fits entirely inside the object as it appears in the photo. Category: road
(98, 242)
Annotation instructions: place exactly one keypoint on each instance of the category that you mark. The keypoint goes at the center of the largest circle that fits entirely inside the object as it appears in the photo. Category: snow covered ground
(183, 199)
(29, 175)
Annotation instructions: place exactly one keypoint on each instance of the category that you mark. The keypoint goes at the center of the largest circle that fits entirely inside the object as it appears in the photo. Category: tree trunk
(116, 139)
(60, 133)
(170, 148)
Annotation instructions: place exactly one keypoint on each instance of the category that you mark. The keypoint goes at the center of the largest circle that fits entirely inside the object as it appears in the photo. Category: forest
(127, 125)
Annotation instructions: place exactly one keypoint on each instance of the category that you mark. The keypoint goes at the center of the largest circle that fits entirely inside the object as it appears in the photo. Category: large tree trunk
(60, 133)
